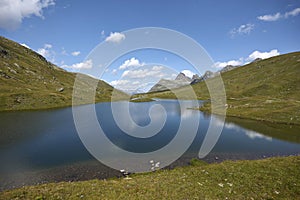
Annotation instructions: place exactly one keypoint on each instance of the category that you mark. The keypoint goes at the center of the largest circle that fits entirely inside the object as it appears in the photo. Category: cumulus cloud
(117, 83)
(243, 29)
(188, 73)
(130, 86)
(141, 73)
(82, 65)
(132, 62)
(157, 68)
(115, 37)
(12, 12)
(46, 51)
(75, 53)
(242, 61)
(277, 16)
(263, 55)
(153, 72)
(231, 62)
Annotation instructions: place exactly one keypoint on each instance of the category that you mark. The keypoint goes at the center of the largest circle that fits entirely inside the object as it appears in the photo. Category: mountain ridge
(182, 79)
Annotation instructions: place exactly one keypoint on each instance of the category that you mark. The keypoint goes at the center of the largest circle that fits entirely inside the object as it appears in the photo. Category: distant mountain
(182, 77)
(206, 75)
(164, 84)
(228, 68)
(29, 81)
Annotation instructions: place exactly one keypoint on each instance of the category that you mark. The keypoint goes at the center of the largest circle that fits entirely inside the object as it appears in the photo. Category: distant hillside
(29, 81)
(266, 89)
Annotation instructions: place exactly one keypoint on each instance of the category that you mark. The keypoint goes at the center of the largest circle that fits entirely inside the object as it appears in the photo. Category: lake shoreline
(202, 109)
(91, 170)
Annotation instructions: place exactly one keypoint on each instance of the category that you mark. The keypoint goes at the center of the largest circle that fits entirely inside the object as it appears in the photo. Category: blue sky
(232, 32)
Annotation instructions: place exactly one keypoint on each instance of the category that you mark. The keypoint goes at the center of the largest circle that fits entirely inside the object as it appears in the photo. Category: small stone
(157, 164)
(61, 89)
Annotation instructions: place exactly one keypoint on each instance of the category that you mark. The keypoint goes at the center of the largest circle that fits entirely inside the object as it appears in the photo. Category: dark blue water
(37, 140)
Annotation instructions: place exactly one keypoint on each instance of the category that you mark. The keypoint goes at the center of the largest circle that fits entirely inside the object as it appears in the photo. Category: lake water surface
(44, 146)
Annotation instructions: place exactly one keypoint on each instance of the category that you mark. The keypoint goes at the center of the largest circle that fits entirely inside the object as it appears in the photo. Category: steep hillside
(266, 89)
(29, 81)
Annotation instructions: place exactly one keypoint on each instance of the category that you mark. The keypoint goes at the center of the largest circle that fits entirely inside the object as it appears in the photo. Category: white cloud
(292, 13)
(141, 73)
(188, 73)
(75, 53)
(115, 37)
(131, 86)
(277, 16)
(48, 46)
(174, 75)
(82, 65)
(25, 45)
(243, 29)
(270, 18)
(133, 62)
(12, 12)
(135, 83)
(243, 61)
(263, 55)
(46, 51)
(119, 82)
(114, 71)
(157, 68)
(231, 62)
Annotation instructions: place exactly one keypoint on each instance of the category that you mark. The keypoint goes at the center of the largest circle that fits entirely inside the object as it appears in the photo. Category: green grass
(273, 178)
(29, 81)
(266, 90)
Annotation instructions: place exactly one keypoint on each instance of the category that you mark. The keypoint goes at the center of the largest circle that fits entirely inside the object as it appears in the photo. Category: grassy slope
(274, 178)
(264, 90)
(29, 81)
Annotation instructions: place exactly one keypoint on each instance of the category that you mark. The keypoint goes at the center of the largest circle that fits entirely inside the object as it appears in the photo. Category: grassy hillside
(265, 90)
(29, 81)
(274, 178)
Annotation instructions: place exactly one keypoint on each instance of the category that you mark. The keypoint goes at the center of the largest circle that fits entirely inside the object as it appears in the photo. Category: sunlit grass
(274, 178)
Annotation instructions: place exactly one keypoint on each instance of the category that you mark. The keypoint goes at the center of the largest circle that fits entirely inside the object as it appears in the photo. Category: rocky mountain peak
(182, 77)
